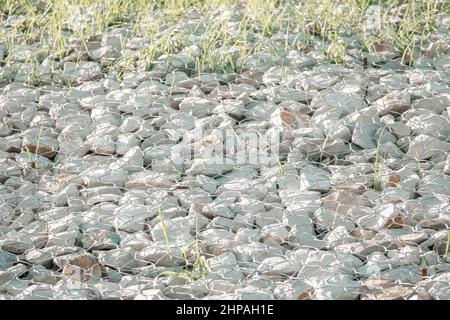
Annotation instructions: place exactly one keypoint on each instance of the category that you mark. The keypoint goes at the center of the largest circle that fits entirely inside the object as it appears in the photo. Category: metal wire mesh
(305, 181)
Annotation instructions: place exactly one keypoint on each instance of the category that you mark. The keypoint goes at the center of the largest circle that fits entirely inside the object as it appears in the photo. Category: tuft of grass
(281, 163)
(447, 247)
(198, 269)
(191, 271)
(166, 235)
(378, 167)
(324, 144)
(378, 175)
(265, 25)
(33, 160)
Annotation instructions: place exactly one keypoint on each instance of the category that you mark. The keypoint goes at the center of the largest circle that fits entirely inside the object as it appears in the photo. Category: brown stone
(287, 118)
(42, 150)
(357, 188)
(303, 48)
(393, 180)
(395, 293)
(383, 47)
(293, 119)
(385, 289)
(441, 247)
(308, 295)
(82, 268)
(314, 28)
(432, 224)
(377, 283)
(253, 78)
(343, 200)
(361, 233)
(397, 223)
(424, 273)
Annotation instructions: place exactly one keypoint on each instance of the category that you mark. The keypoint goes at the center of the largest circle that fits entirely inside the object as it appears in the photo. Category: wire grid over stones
(303, 180)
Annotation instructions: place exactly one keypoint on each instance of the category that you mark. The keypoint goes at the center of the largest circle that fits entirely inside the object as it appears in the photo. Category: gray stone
(434, 184)
(424, 147)
(150, 294)
(177, 229)
(195, 290)
(104, 176)
(195, 197)
(334, 287)
(268, 217)
(125, 142)
(386, 216)
(12, 273)
(7, 259)
(252, 293)
(435, 104)
(328, 220)
(39, 274)
(408, 274)
(43, 145)
(78, 73)
(215, 209)
(339, 235)
(440, 289)
(160, 254)
(70, 192)
(131, 218)
(430, 124)
(224, 267)
(198, 107)
(5, 130)
(99, 239)
(36, 292)
(278, 266)
(255, 252)
(101, 144)
(120, 258)
(395, 102)
(16, 245)
(314, 179)
(294, 290)
(210, 167)
(147, 179)
(238, 222)
(247, 235)
(132, 160)
(65, 238)
(363, 135)
(275, 234)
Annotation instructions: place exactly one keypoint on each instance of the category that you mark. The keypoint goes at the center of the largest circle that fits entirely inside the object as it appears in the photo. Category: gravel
(147, 185)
